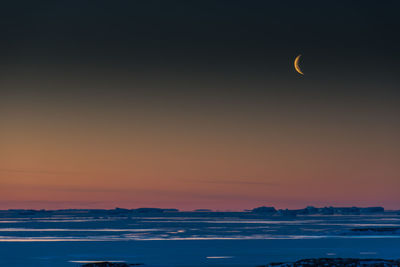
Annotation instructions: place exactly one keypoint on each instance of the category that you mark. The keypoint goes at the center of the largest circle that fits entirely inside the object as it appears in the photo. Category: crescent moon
(297, 66)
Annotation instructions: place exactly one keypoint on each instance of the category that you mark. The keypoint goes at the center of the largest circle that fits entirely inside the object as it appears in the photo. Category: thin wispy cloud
(63, 188)
(239, 182)
(27, 171)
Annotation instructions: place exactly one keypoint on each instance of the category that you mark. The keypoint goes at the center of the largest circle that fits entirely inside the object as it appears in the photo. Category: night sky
(196, 104)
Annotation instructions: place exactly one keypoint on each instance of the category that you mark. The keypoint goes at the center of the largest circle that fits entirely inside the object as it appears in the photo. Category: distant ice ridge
(310, 210)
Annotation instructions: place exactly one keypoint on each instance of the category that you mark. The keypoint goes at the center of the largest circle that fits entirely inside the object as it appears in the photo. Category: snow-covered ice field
(191, 238)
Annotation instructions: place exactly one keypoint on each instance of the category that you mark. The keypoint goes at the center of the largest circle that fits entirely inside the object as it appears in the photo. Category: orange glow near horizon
(203, 166)
(94, 154)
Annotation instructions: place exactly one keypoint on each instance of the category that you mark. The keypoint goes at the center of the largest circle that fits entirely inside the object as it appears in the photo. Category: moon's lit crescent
(297, 66)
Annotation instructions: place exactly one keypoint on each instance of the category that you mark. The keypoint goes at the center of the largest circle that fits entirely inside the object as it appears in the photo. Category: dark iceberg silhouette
(338, 262)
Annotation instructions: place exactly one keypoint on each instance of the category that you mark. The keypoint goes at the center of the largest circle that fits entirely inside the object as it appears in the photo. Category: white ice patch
(219, 257)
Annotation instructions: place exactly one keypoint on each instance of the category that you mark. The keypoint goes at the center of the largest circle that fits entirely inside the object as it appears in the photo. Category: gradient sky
(195, 104)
